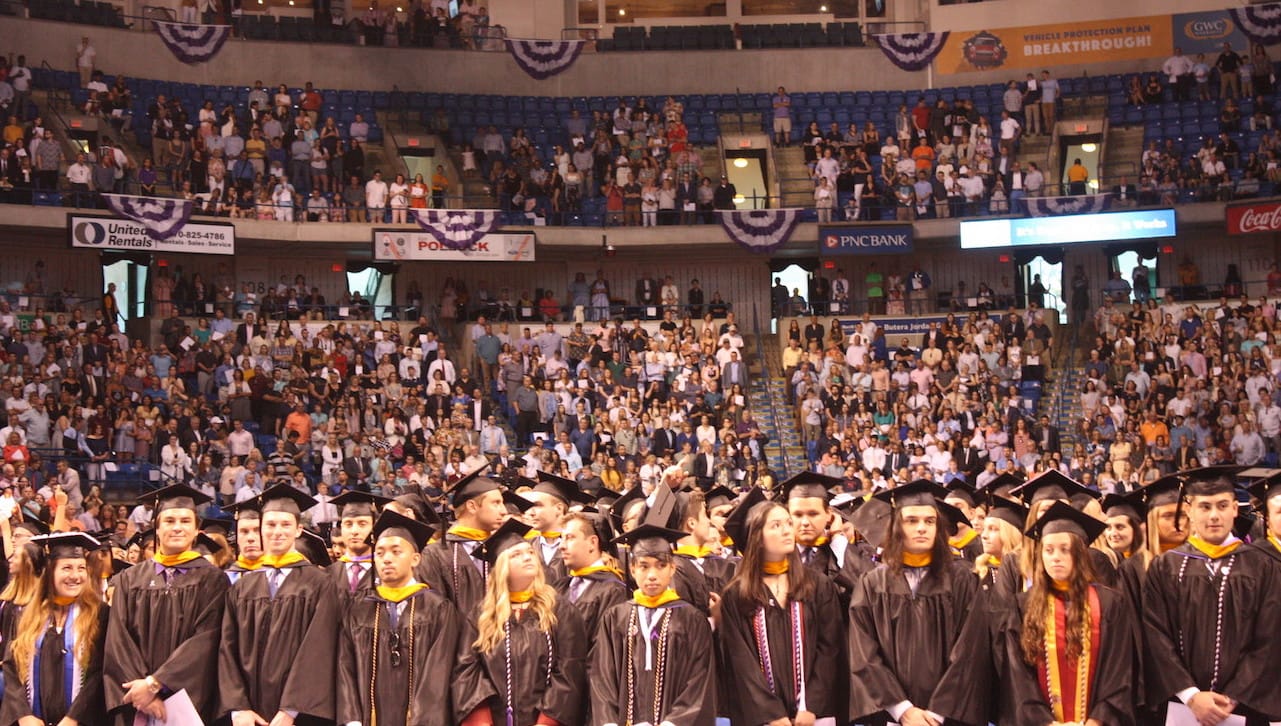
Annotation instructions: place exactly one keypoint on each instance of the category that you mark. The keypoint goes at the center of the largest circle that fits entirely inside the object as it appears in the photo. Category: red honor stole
(1065, 681)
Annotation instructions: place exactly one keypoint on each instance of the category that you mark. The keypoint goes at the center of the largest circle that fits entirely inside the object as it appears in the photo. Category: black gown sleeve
(1164, 671)
(308, 688)
(564, 699)
(873, 684)
(609, 652)
(825, 620)
(15, 704)
(754, 702)
(691, 676)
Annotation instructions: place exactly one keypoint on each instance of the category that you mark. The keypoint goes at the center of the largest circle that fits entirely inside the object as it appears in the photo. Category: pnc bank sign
(865, 239)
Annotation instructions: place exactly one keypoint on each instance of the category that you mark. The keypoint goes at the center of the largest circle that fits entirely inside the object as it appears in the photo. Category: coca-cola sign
(1252, 218)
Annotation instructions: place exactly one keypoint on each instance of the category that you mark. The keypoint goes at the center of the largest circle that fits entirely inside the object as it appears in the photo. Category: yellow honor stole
(584, 572)
(774, 568)
(958, 542)
(1275, 542)
(1213, 551)
(664, 597)
(550, 534)
(288, 559)
(399, 594)
(693, 551)
(520, 596)
(245, 563)
(177, 560)
(469, 533)
(914, 560)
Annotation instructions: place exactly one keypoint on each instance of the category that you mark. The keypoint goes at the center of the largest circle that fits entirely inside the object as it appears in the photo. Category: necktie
(807, 556)
(168, 574)
(576, 588)
(354, 573)
(273, 581)
(393, 614)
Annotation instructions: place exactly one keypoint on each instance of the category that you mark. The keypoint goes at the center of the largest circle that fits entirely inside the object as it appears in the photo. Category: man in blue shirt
(782, 117)
(1049, 99)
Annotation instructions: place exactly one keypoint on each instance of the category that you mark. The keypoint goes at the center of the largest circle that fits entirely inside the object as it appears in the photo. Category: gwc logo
(89, 233)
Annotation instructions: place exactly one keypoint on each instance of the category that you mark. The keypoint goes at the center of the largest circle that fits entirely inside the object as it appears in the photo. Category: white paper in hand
(179, 711)
(1176, 714)
(7, 505)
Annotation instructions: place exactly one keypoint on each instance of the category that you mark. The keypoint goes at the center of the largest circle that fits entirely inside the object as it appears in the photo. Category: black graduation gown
(1180, 609)
(691, 584)
(169, 631)
(278, 653)
(449, 570)
(558, 692)
(971, 691)
(754, 702)
(718, 571)
(1111, 687)
(88, 706)
(10, 614)
(843, 573)
(971, 551)
(342, 582)
(554, 571)
(602, 591)
(435, 645)
(1131, 576)
(900, 642)
(689, 669)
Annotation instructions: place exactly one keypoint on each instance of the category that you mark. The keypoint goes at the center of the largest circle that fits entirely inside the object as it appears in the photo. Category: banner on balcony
(1260, 23)
(542, 59)
(760, 230)
(457, 229)
(133, 235)
(911, 51)
(162, 218)
(192, 43)
(1055, 206)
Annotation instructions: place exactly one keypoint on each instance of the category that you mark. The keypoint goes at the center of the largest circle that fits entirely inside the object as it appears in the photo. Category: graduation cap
(1051, 485)
(314, 548)
(809, 484)
(1003, 485)
(1266, 488)
(665, 510)
(649, 540)
(471, 486)
(395, 524)
(1063, 517)
(1166, 490)
(620, 505)
(919, 493)
(175, 496)
(516, 504)
(119, 566)
(961, 489)
(354, 503)
(207, 545)
(283, 497)
(566, 490)
(955, 517)
(140, 538)
(872, 520)
(511, 534)
(1243, 525)
(423, 510)
(249, 509)
(719, 496)
(736, 522)
(33, 524)
(65, 545)
(1007, 510)
(221, 525)
(1207, 481)
(1130, 505)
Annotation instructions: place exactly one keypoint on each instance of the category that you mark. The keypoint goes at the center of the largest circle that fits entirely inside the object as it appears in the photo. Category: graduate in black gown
(1212, 611)
(528, 662)
(1039, 493)
(53, 670)
(594, 583)
(551, 497)
(906, 614)
(653, 660)
(1267, 495)
(778, 626)
(278, 644)
(398, 646)
(671, 506)
(248, 538)
(353, 573)
(447, 565)
(1069, 647)
(166, 618)
(807, 497)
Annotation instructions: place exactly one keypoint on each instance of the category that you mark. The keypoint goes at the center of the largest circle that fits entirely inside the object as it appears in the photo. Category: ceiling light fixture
(740, 162)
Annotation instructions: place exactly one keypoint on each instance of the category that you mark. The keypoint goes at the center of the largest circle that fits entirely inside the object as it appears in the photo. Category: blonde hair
(1011, 542)
(36, 616)
(496, 608)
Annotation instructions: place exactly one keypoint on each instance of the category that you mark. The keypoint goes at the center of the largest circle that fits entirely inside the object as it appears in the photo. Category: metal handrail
(773, 408)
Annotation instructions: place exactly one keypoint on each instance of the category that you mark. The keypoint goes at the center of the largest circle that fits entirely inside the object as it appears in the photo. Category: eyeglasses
(394, 642)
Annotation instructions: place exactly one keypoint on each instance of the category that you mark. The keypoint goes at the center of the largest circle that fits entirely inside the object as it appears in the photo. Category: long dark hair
(940, 553)
(1038, 604)
(748, 582)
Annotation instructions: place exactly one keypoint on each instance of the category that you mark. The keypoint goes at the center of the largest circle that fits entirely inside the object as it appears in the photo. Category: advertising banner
(1254, 218)
(896, 328)
(112, 233)
(865, 239)
(1067, 229)
(1033, 48)
(398, 245)
(1206, 33)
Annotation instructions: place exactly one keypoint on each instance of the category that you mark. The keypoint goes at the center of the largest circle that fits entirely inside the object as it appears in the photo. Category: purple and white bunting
(1081, 204)
(162, 218)
(760, 230)
(192, 43)
(457, 229)
(542, 59)
(911, 51)
(1260, 23)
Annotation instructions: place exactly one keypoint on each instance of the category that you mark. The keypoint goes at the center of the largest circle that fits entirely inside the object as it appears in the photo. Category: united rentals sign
(1253, 218)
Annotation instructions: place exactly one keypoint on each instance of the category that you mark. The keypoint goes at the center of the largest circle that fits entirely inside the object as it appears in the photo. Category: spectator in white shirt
(376, 197)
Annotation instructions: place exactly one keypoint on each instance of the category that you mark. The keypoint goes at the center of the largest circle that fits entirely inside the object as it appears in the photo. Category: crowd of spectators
(246, 398)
